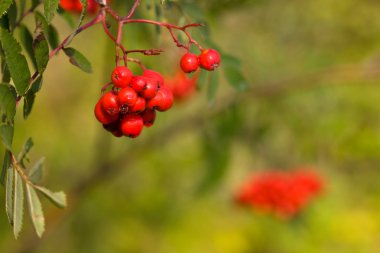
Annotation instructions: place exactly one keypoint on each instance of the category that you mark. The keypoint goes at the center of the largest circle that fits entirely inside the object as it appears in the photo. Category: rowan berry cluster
(209, 59)
(281, 193)
(76, 6)
(132, 101)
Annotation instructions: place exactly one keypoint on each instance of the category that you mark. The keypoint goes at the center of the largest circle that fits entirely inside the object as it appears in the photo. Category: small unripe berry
(139, 106)
(110, 103)
(131, 125)
(154, 75)
(189, 62)
(121, 76)
(148, 116)
(127, 97)
(102, 116)
(150, 89)
(209, 59)
(138, 83)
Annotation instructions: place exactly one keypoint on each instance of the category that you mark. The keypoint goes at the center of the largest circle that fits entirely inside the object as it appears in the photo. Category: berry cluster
(181, 85)
(132, 102)
(283, 194)
(209, 59)
(76, 6)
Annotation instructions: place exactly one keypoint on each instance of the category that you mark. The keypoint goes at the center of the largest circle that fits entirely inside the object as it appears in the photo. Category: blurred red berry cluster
(76, 6)
(282, 193)
(181, 85)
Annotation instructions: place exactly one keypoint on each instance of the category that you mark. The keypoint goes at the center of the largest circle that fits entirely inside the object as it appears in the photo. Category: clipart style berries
(132, 102)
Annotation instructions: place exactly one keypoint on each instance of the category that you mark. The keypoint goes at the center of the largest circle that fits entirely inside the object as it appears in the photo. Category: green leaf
(213, 87)
(81, 17)
(50, 32)
(9, 194)
(35, 3)
(232, 71)
(57, 198)
(17, 64)
(41, 52)
(78, 59)
(18, 207)
(12, 15)
(67, 16)
(7, 102)
(202, 79)
(35, 210)
(31, 96)
(36, 172)
(27, 147)
(4, 5)
(6, 164)
(26, 40)
(6, 135)
(50, 7)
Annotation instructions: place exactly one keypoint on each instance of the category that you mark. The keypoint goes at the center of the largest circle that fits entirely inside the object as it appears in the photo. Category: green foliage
(4, 5)
(50, 8)
(35, 210)
(7, 102)
(18, 204)
(78, 59)
(16, 62)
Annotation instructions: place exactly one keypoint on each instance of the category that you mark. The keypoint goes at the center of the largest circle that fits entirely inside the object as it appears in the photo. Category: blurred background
(313, 99)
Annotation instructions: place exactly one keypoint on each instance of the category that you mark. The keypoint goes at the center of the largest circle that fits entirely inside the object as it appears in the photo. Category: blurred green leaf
(17, 64)
(35, 210)
(7, 102)
(9, 194)
(213, 87)
(24, 152)
(4, 5)
(67, 16)
(232, 70)
(30, 97)
(6, 135)
(26, 40)
(50, 7)
(57, 198)
(41, 52)
(36, 172)
(6, 164)
(18, 208)
(12, 15)
(78, 59)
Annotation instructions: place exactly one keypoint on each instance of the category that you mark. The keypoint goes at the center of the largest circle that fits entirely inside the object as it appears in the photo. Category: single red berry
(189, 62)
(209, 59)
(67, 5)
(110, 103)
(131, 125)
(148, 116)
(150, 89)
(121, 76)
(154, 75)
(163, 101)
(127, 97)
(138, 83)
(102, 116)
(139, 106)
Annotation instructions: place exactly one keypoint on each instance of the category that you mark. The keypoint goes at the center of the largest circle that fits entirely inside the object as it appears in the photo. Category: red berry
(189, 62)
(163, 101)
(67, 5)
(138, 83)
(139, 106)
(148, 116)
(150, 89)
(121, 76)
(102, 116)
(131, 125)
(110, 103)
(209, 59)
(127, 97)
(154, 75)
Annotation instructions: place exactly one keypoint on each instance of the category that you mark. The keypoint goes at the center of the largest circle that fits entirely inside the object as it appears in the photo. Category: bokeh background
(313, 69)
